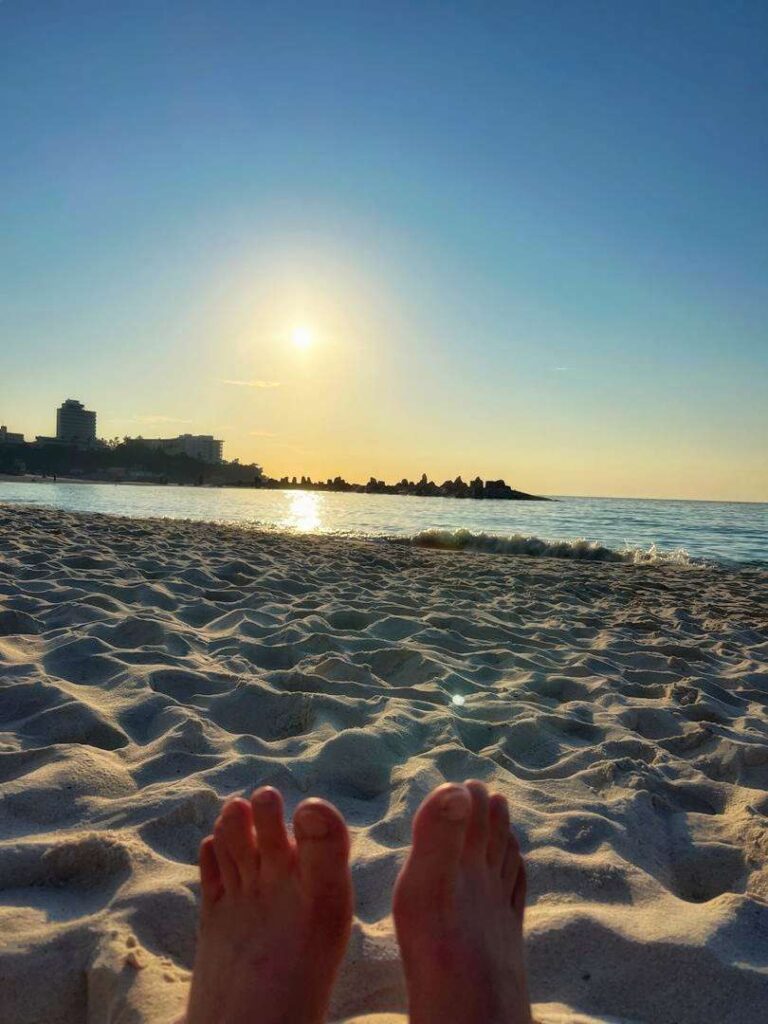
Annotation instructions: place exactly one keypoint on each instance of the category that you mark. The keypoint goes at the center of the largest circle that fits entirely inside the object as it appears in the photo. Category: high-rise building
(197, 446)
(74, 423)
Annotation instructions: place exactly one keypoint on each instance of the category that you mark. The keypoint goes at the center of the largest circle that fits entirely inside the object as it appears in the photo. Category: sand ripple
(150, 668)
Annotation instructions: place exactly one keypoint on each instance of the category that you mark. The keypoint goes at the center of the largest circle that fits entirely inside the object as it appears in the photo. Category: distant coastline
(136, 462)
(489, 490)
(269, 484)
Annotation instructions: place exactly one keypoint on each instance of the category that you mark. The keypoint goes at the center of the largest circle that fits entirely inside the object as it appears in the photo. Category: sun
(302, 337)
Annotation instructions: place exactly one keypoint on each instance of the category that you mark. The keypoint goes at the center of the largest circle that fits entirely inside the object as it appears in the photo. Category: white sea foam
(538, 547)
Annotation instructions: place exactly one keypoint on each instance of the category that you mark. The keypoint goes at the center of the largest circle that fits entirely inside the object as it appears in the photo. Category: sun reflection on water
(304, 512)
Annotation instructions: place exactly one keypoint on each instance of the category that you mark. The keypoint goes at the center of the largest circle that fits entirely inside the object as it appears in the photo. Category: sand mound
(150, 668)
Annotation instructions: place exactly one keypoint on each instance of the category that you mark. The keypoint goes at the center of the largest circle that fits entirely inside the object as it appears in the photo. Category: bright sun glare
(302, 337)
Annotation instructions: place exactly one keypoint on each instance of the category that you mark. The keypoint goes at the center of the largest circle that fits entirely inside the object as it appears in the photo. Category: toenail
(264, 796)
(313, 825)
(455, 805)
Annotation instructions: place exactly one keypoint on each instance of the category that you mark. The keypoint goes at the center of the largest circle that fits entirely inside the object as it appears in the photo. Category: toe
(322, 843)
(439, 830)
(476, 841)
(230, 877)
(210, 876)
(511, 866)
(498, 836)
(240, 839)
(519, 892)
(274, 845)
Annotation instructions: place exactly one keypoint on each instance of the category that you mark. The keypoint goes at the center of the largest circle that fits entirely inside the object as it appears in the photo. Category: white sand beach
(150, 668)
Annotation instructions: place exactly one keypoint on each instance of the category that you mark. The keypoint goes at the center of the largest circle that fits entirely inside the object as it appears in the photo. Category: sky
(525, 240)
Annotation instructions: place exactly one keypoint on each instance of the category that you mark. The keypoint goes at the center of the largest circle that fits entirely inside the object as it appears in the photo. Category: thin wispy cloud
(295, 449)
(253, 383)
(152, 418)
(159, 418)
(561, 369)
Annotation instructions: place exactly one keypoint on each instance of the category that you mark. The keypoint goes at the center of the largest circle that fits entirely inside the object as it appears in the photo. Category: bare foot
(458, 911)
(276, 914)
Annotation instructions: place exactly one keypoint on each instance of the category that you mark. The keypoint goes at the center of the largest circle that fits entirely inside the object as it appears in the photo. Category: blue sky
(530, 239)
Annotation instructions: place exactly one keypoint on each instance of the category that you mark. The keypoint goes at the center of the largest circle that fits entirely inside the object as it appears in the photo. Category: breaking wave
(537, 547)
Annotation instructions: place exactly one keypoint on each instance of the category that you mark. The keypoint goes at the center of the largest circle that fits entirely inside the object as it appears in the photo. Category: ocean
(732, 533)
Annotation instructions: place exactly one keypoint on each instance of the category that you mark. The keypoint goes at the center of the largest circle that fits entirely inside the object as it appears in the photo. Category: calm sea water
(729, 532)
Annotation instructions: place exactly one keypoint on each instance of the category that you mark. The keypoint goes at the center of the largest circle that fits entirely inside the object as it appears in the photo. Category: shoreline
(150, 668)
(508, 546)
(492, 534)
